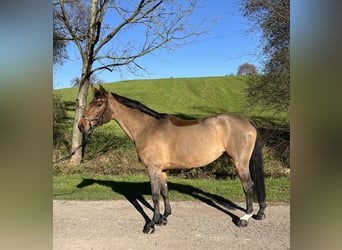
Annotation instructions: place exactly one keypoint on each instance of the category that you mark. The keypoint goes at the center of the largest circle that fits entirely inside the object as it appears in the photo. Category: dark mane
(137, 105)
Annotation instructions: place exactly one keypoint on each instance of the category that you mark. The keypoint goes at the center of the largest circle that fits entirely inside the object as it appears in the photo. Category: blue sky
(226, 45)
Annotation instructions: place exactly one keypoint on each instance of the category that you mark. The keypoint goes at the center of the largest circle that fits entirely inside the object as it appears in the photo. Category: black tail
(256, 169)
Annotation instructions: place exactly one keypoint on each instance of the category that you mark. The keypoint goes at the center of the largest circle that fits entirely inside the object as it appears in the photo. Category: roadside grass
(101, 187)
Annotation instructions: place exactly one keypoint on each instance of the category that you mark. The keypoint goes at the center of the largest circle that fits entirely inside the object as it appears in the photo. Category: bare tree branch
(106, 45)
(132, 19)
(63, 15)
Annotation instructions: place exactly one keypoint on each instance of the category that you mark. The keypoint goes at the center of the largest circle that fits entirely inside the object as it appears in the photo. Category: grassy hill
(186, 98)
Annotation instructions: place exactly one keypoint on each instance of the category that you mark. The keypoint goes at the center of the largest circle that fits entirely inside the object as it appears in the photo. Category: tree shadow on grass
(134, 192)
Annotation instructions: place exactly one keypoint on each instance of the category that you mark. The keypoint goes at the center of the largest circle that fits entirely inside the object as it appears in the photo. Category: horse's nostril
(81, 127)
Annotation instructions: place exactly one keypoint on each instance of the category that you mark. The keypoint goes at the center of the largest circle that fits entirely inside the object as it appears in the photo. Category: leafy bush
(60, 139)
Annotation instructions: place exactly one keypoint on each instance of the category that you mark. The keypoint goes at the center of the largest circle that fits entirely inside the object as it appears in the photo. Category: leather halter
(99, 119)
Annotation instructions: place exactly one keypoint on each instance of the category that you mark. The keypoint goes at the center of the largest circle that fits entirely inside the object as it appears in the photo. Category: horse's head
(97, 113)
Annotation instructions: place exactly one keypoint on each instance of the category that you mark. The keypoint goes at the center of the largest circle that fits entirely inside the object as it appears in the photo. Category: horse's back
(182, 123)
(209, 129)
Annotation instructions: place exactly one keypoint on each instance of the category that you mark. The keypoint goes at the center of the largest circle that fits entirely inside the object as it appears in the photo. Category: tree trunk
(81, 102)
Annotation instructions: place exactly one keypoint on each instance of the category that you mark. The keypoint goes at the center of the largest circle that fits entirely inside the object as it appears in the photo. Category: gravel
(193, 225)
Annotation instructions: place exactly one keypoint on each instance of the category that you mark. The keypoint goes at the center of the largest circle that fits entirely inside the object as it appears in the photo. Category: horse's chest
(152, 153)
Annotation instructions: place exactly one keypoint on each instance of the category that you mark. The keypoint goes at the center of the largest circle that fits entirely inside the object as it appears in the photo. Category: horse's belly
(194, 155)
(191, 162)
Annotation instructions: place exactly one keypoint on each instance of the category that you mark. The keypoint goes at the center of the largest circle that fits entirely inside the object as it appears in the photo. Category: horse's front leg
(154, 175)
(165, 195)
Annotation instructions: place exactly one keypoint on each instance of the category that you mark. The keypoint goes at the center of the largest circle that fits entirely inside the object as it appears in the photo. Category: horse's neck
(133, 122)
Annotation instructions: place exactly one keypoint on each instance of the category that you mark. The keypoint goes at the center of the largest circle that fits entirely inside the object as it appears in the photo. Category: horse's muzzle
(81, 127)
(84, 126)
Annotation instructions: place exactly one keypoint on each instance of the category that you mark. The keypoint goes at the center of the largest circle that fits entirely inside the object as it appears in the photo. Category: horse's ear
(102, 90)
(93, 89)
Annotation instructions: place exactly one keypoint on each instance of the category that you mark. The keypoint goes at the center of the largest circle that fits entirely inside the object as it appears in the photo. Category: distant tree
(272, 87)
(246, 69)
(75, 82)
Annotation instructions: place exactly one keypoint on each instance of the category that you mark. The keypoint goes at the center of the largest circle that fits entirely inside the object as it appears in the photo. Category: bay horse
(164, 142)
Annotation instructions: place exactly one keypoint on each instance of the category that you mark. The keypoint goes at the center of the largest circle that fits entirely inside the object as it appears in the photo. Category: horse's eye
(99, 104)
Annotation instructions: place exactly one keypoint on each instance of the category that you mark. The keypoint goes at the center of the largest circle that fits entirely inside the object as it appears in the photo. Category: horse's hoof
(148, 230)
(242, 223)
(260, 216)
(162, 222)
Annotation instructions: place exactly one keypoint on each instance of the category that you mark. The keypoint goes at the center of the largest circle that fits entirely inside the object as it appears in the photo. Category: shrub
(60, 139)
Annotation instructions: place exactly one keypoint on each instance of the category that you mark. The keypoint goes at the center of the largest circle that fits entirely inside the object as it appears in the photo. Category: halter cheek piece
(99, 119)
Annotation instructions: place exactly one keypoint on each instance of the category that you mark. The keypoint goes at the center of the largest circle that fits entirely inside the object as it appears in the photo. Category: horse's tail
(256, 169)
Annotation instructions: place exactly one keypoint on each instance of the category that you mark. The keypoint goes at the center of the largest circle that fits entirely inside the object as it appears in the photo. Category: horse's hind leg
(165, 195)
(248, 189)
(242, 168)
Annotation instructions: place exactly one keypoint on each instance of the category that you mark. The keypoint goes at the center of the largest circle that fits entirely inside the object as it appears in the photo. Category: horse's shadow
(134, 192)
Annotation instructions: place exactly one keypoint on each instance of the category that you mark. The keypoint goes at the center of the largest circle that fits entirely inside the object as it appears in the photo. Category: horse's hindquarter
(237, 133)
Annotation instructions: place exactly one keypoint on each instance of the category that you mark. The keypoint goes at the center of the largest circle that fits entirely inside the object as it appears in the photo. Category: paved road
(192, 225)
